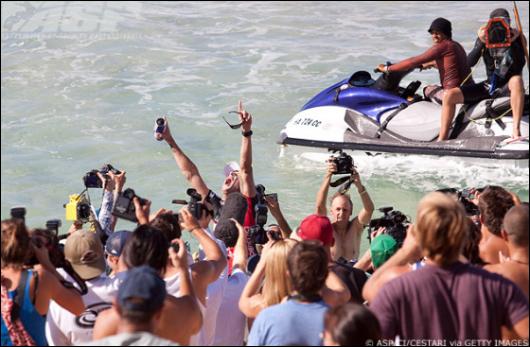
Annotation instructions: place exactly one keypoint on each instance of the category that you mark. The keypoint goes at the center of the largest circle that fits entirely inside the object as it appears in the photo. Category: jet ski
(361, 114)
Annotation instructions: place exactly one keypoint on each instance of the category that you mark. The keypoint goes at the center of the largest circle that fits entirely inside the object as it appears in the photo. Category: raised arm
(365, 214)
(206, 271)
(186, 166)
(322, 194)
(274, 207)
(241, 249)
(52, 288)
(248, 187)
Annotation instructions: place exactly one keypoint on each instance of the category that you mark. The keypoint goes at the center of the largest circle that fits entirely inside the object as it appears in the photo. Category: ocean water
(82, 84)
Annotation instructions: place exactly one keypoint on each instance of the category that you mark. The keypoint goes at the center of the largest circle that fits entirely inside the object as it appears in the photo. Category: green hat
(382, 248)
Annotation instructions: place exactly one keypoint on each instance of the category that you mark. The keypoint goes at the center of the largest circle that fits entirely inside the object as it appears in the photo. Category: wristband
(247, 133)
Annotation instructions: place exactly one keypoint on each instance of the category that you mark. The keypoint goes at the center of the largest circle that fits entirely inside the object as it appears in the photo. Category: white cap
(230, 167)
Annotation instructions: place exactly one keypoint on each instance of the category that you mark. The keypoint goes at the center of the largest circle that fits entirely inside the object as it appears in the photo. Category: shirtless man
(347, 233)
(515, 232)
(493, 204)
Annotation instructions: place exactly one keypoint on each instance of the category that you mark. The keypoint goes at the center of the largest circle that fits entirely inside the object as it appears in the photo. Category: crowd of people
(457, 274)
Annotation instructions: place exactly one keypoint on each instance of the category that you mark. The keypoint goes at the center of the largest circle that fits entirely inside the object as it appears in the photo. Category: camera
(194, 205)
(257, 233)
(91, 179)
(394, 222)
(216, 202)
(124, 206)
(261, 209)
(160, 125)
(344, 163)
(53, 225)
(18, 212)
(78, 208)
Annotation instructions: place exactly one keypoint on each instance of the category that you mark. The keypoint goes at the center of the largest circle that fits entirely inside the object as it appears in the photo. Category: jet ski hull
(336, 127)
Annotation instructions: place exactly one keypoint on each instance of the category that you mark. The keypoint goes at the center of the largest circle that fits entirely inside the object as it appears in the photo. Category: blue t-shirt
(291, 323)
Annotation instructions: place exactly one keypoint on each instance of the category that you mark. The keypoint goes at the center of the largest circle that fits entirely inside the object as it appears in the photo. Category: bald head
(516, 225)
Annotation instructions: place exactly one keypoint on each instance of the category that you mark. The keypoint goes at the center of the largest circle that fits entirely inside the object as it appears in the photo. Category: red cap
(316, 227)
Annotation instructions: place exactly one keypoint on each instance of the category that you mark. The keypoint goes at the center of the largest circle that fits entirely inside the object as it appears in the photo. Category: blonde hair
(277, 285)
(441, 226)
(15, 243)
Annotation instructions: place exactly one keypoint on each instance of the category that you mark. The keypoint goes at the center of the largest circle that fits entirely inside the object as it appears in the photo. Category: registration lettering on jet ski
(308, 122)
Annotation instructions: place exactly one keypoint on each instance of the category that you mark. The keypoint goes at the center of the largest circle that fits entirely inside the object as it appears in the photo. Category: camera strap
(340, 181)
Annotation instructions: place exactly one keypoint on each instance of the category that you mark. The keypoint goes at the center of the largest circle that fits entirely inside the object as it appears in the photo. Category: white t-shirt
(65, 329)
(140, 338)
(214, 298)
(231, 322)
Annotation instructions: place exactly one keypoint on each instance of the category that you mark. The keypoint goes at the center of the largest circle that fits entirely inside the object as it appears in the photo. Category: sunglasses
(233, 126)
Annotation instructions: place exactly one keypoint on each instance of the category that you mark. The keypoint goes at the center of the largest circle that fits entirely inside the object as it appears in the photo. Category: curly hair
(493, 204)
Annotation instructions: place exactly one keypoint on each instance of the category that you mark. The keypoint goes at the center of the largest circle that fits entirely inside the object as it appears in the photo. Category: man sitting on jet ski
(450, 59)
(501, 47)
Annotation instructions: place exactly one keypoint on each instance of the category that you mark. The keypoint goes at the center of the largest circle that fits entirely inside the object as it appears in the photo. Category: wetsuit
(480, 91)
(450, 59)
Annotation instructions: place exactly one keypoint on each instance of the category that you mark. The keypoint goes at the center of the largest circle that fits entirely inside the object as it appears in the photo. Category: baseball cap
(116, 242)
(442, 25)
(83, 249)
(316, 227)
(231, 167)
(382, 248)
(142, 290)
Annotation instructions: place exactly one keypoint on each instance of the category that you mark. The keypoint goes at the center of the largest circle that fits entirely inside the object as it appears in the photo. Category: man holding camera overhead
(347, 233)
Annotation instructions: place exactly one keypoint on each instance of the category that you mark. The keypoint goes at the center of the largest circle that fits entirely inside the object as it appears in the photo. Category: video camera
(394, 222)
(195, 206)
(78, 208)
(91, 179)
(124, 206)
(344, 162)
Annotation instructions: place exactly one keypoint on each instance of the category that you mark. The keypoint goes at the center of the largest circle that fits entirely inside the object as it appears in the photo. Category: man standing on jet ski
(450, 59)
(504, 67)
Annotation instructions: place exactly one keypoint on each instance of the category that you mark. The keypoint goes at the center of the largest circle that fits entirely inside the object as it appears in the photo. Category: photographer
(181, 316)
(84, 251)
(237, 179)
(347, 233)
(112, 188)
(26, 293)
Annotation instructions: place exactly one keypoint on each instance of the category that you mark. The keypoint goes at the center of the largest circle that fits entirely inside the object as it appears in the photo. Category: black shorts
(475, 92)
